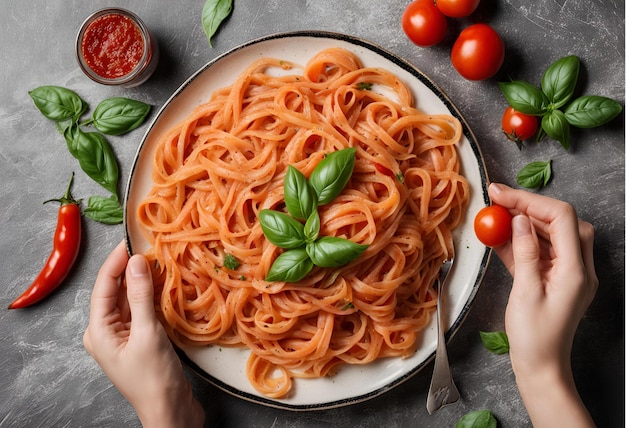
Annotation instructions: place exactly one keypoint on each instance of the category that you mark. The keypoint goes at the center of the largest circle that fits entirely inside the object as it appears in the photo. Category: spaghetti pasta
(218, 168)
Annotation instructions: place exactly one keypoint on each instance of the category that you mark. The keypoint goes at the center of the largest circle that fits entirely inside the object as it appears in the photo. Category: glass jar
(114, 47)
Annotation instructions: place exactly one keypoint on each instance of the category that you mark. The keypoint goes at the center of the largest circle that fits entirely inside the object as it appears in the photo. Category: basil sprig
(113, 116)
(558, 84)
(304, 247)
(214, 12)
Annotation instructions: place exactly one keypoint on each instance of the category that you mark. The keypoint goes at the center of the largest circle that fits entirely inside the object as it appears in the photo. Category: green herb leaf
(290, 266)
(300, 197)
(213, 13)
(556, 126)
(592, 111)
(281, 230)
(231, 262)
(312, 227)
(104, 210)
(559, 80)
(524, 97)
(118, 115)
(477, 419)
(57, 103)
(94, 155)
(495, 341)
(329, 251)
(535, 175)
(331, 175)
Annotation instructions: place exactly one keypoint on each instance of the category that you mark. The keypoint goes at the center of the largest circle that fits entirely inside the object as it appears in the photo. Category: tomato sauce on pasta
(216, 170)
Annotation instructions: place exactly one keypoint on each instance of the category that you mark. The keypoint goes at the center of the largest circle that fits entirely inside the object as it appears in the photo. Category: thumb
(525, 251)
(140, 290)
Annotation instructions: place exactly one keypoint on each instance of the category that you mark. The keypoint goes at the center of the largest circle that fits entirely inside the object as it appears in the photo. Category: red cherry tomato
(423, 23)
(492, 225)
(457, 8)
(518, 126)
(478, 52)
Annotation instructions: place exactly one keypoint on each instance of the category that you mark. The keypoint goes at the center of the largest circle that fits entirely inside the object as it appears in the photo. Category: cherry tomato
(518, 126)
(478, 52)
(423, 23)
(457, 8)
(492, 225)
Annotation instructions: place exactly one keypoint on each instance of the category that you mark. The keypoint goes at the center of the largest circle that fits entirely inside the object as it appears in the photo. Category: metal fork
(442, 389)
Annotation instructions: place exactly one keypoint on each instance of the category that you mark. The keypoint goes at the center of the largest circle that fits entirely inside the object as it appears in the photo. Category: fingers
(140, 290)
(105, 293)
(586, 232)
(554, 220)
(526, 252)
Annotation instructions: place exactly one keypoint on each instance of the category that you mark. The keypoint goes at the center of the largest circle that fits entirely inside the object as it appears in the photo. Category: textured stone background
(47, 377)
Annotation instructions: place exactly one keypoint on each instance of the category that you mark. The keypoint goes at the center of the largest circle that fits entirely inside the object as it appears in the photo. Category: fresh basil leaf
(477, 419)
(62, 125)
(592, 111)
(331, 175)
(312, 227)
(213, 13)
(556, 126)
(104, 210)
(559, 80)
(300, 197)
(290, 266)
(535, 175)
(94, 155)
(118, 115)
(495, 341)
(524, 97)
(330, 251)
(57, 103)
(281, 230)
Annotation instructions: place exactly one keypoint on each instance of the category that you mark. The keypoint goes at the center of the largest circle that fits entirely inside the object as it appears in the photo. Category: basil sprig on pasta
(304, 247)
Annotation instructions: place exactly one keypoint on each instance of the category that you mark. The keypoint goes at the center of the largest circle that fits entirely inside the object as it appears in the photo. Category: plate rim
(400, 62)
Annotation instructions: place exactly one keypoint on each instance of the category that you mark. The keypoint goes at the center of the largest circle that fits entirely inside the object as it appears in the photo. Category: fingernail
(495, 188)
(137, 266)
(521, 225)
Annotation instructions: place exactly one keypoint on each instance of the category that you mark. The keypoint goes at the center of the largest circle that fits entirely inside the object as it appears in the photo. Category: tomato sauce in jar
(115, 48)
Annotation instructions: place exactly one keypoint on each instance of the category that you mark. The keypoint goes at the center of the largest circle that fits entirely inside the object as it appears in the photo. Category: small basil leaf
(331, 175)
(281, 230)
(94, 155)
(591, 111)
(104, 210)
(213, 13)
(495, 341)
(477, 419)
(118, 115)
(300, 197)
(559, 80)
(329, 251)
(290, 266)
(312, 227)
(535, 175)
(57, 103)
(524, 97)
(556, 126)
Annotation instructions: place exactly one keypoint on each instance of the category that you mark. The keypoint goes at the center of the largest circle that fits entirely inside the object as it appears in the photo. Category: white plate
(225, 367)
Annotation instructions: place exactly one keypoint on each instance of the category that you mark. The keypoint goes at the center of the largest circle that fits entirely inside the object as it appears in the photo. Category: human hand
(135, 353)
(551, 259)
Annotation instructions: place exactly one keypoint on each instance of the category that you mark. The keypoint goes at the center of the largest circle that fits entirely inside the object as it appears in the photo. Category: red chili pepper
(383, 169)
(63, 256)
